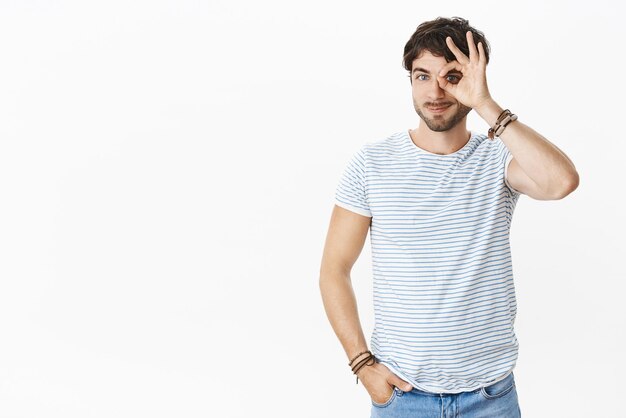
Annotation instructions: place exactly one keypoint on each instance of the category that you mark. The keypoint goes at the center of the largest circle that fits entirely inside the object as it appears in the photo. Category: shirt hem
(506, 171)
(353, 209)
(432, 390)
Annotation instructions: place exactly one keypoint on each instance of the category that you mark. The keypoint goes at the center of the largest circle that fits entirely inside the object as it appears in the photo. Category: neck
(443, 143)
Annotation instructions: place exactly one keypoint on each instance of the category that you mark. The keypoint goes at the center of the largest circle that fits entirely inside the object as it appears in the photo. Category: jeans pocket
(394, 393)
(499, 389)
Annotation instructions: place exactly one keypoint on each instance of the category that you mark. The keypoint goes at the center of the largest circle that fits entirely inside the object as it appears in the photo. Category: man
(438, 201)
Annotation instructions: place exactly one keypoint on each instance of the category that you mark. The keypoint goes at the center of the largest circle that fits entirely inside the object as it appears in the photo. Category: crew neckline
(407, 134)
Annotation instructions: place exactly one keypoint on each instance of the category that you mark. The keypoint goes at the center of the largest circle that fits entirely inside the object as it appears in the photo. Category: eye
(453, 78)
(417, 77)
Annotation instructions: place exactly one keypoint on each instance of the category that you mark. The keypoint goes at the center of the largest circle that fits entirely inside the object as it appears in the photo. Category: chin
(440, 128)
(440, 125)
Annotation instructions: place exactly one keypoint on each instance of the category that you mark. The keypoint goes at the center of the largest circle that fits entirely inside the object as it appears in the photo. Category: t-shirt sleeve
(506, 171)
(504, 158)
(351, 192)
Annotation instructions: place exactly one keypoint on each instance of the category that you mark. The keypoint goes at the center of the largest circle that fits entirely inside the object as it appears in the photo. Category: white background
(167, 174)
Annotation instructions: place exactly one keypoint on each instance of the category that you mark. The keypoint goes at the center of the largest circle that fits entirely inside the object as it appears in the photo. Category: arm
(539, 168)
(344, 242)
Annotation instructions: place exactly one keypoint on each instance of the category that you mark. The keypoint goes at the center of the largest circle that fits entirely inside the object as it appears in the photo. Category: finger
(460, 56)
(471, 46)
(444, 84)
(482, 57)
(399, 383)
(452, 65)
(443, 73)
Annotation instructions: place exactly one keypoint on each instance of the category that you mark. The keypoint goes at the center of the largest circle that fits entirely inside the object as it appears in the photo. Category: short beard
(441, 125)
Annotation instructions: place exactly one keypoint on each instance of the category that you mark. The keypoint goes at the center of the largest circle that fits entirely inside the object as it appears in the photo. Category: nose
(434, 90)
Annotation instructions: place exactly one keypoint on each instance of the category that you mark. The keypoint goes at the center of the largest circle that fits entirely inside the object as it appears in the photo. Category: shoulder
(493, 149)
(385, 147)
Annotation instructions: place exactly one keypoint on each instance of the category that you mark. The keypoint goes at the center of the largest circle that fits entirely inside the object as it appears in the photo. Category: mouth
(438, 109)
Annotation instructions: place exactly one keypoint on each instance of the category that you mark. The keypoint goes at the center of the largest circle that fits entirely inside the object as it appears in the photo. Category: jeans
(498, 400)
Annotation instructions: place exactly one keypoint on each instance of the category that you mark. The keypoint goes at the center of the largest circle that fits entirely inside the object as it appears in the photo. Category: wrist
(361, 362)
(489, 111)
(358, 356)
(364, 371)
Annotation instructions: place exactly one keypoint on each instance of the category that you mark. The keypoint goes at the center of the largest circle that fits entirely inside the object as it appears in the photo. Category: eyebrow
(423, 70)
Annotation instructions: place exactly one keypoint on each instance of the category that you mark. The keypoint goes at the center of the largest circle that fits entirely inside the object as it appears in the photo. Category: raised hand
(472, 89)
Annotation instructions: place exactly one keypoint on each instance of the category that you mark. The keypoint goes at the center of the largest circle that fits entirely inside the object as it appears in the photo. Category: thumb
(399, 383)
(445, 85)
(443, 72)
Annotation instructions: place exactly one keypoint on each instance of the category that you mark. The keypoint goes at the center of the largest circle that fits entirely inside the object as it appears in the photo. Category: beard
(439, 123)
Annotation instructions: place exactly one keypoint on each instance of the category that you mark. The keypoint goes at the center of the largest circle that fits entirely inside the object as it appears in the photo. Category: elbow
(570, 184)
(331, 275)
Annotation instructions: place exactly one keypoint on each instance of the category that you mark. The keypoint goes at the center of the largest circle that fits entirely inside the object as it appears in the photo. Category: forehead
(429, 61)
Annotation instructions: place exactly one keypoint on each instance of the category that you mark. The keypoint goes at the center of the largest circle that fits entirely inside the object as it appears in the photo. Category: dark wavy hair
(432, 35)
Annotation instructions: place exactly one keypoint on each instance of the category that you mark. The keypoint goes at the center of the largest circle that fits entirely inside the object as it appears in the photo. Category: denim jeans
(498, 400)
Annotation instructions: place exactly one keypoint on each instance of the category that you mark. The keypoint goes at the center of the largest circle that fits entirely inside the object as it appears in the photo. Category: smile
(438, 109)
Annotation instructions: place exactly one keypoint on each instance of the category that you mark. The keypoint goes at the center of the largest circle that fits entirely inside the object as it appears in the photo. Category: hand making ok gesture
(472, 89)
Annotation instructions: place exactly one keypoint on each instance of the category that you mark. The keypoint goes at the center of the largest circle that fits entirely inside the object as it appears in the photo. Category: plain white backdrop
(167, 174)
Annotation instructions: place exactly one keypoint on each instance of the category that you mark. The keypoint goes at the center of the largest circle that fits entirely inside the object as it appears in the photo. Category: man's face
(439, 110)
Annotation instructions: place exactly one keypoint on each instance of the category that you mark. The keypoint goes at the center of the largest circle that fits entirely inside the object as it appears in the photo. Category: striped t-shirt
(444, 297)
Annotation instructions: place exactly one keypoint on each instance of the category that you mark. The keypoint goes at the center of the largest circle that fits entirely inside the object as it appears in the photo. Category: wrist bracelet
(503, 120)
(357, 356)
(360, 365)
(368, 360)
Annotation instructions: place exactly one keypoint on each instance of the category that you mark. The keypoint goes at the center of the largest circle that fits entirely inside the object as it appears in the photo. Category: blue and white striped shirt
(444, 297)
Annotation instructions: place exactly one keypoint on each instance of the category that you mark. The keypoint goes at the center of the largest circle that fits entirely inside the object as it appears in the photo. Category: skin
(438, 133)
(539, 169)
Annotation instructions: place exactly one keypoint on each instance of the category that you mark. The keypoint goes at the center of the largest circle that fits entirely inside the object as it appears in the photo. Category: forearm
(341, 310)
(541, 160)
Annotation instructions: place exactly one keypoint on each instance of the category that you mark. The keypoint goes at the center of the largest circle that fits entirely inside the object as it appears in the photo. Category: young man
(438, 201)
